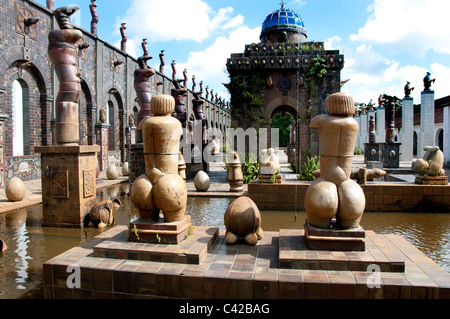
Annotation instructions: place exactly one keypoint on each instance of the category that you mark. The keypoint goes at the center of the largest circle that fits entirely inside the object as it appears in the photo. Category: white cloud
(209, 64)
(171, 20)
(413, 26)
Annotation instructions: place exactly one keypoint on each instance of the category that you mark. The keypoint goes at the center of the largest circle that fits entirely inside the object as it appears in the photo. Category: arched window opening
(17, 141)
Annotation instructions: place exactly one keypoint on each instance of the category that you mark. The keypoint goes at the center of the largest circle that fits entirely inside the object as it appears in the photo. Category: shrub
(311, 164)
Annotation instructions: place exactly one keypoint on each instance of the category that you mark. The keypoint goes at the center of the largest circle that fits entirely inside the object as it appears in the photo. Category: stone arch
(279, 102)
(117, 128)
(37, 105)
(86, 115)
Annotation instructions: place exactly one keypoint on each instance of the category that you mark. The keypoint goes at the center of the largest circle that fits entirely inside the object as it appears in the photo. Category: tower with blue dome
(284, 73)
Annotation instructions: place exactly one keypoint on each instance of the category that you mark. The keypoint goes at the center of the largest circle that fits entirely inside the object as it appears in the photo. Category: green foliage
(249, 166)
(311, 164)
(283, 123)
(316, 72)
(358, 151)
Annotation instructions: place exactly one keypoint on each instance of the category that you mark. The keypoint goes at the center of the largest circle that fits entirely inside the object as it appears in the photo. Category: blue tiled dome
(283, 20)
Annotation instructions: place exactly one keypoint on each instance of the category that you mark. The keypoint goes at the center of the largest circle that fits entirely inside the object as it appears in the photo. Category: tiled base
(241, 271)
(271, 179)
(191, 251)
(333, 239)
(294, 254)
(431, 180)
(148, 231)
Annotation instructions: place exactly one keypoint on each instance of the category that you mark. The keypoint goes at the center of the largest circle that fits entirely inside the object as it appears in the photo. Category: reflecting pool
(30, 244)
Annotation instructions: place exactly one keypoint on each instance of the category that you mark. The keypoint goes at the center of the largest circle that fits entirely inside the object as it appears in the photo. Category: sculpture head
(162, 105)
(340, 104)
(63, 14)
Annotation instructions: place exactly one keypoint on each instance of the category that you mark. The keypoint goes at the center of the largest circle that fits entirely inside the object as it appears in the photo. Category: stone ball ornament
(111, 172)
(243, 220)
(15, 189)
(126, 169)
(202, 181)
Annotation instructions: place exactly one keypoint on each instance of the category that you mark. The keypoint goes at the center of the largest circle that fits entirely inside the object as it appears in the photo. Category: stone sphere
(111, 172)
(170, 195)
(202, 181)
(243, 219)
(15, 189)
(126, 169)
(141, 196)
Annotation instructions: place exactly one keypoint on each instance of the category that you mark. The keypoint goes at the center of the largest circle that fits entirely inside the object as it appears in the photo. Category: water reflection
(30, 244)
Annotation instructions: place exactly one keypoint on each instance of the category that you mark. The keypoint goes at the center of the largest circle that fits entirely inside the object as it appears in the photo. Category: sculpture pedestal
(159, 231)
(371, 152)
(334, 239)
(68, 183)
(390, 155)
(431, 180)
(273, 179)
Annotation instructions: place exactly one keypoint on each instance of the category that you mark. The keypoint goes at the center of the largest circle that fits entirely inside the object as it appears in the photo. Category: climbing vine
(317, 71)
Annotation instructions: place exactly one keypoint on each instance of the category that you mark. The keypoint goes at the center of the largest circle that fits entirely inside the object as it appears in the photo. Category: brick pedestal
(68, 183)
(160, 232)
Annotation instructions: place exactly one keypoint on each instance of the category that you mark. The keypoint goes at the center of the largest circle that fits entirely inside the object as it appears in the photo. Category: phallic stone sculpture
(144, 47)
(93, 8)
(178, 94)
(235, 175)
(372, 135)
(15, 189)
(142, 86)
(63, 54)
(162, 188)
(334, 194)
(102, 214)
(243, 220)
(431, 164)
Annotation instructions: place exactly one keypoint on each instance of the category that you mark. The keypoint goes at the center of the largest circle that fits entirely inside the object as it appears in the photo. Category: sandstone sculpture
(63, 54)
(334, 194)
(235, 175)
(269, 163)
(431, 164)
(15, 189)
(243, 220)
(102, 214)
(162, 188)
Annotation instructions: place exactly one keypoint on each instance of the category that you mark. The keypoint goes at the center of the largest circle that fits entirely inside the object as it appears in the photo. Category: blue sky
(385, 42)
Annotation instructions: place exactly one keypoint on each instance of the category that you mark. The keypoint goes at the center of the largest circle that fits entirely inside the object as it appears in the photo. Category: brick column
(426, 137)
(446, 149)
(407, 132)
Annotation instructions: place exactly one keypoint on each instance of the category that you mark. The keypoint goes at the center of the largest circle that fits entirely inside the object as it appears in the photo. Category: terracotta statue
(94, 21)
(174, 70)
(194, 83)
(144, 47)
(102, 214)
(178, 94)
(431, 163)
(334, 194)
(408, 89)
(201, 87)
(162, 188)
(51, 4)
(207, 93)
(197, 103)
(102, 116)
(185, 78)
(391, 136)
(243, 219)
(143, 87)
(427, 80)
(131, 121)
(162, 62)
(63, 54)
(123, 43)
